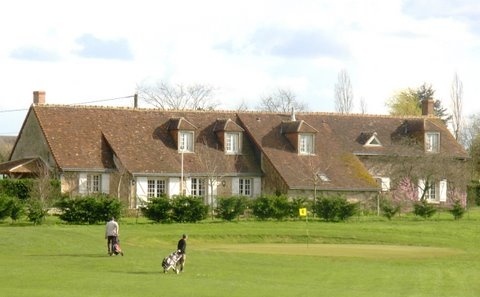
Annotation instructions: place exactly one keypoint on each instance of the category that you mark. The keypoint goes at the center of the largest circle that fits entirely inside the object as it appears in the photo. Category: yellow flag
(302, 212)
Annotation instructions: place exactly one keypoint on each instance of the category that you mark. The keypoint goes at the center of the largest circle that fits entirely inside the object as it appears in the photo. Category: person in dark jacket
(182, 248)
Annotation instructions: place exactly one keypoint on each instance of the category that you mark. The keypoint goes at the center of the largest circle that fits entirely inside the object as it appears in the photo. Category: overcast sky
(84, 51)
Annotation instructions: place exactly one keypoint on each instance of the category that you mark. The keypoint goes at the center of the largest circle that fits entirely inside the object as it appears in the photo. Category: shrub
(36, 213)
(89, 209)
(281, 207)
(17, 209)
(271, 206)
(457, 210)
(389, 210)
(262, 208)
(6, 203)
(424, 209)
(158, 209)
(20, 188)
(188, 209)
(335, 208)
(231, 207)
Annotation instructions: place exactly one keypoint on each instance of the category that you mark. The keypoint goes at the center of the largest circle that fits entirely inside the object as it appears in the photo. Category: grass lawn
(366, 256)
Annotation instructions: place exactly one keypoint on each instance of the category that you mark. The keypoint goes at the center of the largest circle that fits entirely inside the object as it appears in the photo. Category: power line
(81, 103)
(104, 100)
(14, 110)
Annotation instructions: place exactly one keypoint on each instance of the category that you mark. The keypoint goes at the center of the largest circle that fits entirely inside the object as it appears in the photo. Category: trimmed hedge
(179, 209)
(91, 209)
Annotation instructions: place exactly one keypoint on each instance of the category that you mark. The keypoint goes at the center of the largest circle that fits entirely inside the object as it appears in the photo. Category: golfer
(182, 247)
(111, 234)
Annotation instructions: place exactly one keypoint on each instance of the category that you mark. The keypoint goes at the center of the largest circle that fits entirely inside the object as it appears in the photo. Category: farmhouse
(135, 154)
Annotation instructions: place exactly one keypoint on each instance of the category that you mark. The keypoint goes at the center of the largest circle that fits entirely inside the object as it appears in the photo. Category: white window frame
(373, 141)
(94, 183)
(432, 142)
(156, 187)
(306, 143)
(384, 183)
(197, 187)
(436, 193)
(245, 187)
(185, 141)
(233, 143)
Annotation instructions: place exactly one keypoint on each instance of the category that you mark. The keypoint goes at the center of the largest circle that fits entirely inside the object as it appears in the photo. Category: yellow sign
(302, 212)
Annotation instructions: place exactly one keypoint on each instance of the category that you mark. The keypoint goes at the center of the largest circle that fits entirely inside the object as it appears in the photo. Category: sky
(98, 52)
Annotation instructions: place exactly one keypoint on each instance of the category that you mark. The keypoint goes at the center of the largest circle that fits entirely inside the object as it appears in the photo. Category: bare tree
(343, 93)
(180, 97)
(283, 100)
(363, 105)
(212, 161)
(243, 106)
(456, 94)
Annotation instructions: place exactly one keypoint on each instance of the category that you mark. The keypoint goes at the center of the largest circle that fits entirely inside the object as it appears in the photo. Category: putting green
(339, 250)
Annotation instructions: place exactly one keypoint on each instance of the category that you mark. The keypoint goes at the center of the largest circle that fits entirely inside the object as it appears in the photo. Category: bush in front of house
(188, 209)
(20, 188)
(5, 206)
(158, 209)
(90, 209)
(229, 208)
(424, 209)
(11, 207)
(271, 206)
(389, 209)
(335, 208)
(457, 210)
(36, 212)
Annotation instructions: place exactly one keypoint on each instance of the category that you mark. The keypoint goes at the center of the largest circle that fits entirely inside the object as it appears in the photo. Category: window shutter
(421, 188)
(257, 186)
(142, 190)
(173, 186)
(385, 184)
(82, 183)
(188, 186)
(214, 187)
(235, 183)
(443, 190)
(106, 183)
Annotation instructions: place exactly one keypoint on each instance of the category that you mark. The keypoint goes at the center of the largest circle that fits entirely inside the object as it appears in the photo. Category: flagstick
(306, 224)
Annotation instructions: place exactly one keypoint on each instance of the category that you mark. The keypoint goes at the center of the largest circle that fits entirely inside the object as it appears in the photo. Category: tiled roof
(337, 142)
(88, 137)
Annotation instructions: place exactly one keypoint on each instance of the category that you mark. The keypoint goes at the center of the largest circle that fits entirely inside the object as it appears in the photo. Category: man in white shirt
(111, 234)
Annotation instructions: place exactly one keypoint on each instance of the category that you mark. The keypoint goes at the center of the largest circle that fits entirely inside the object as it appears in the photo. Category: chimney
(39, 97)
(427, 107)
(292, 116)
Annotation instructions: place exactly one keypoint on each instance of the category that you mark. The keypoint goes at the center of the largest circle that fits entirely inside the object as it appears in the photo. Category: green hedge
(179, 209)
(91, 209)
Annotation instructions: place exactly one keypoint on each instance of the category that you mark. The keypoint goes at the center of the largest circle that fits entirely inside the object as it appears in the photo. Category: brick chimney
(427, 107)
(38, 97)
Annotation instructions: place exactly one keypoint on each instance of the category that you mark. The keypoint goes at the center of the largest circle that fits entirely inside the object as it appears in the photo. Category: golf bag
(171, 261)
(116, 247)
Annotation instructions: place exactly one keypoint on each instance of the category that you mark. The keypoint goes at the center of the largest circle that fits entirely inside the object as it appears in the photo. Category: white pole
(181, 176)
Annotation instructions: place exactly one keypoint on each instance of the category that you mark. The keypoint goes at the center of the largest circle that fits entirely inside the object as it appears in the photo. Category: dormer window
(229, 135)
(185, 141)
(306, 144)
(233, 141)
(432, 142)
(301, 135)
(183, 133)
(373, 141)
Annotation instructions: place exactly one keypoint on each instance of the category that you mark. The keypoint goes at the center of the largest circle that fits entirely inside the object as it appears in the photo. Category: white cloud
(246, 49)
